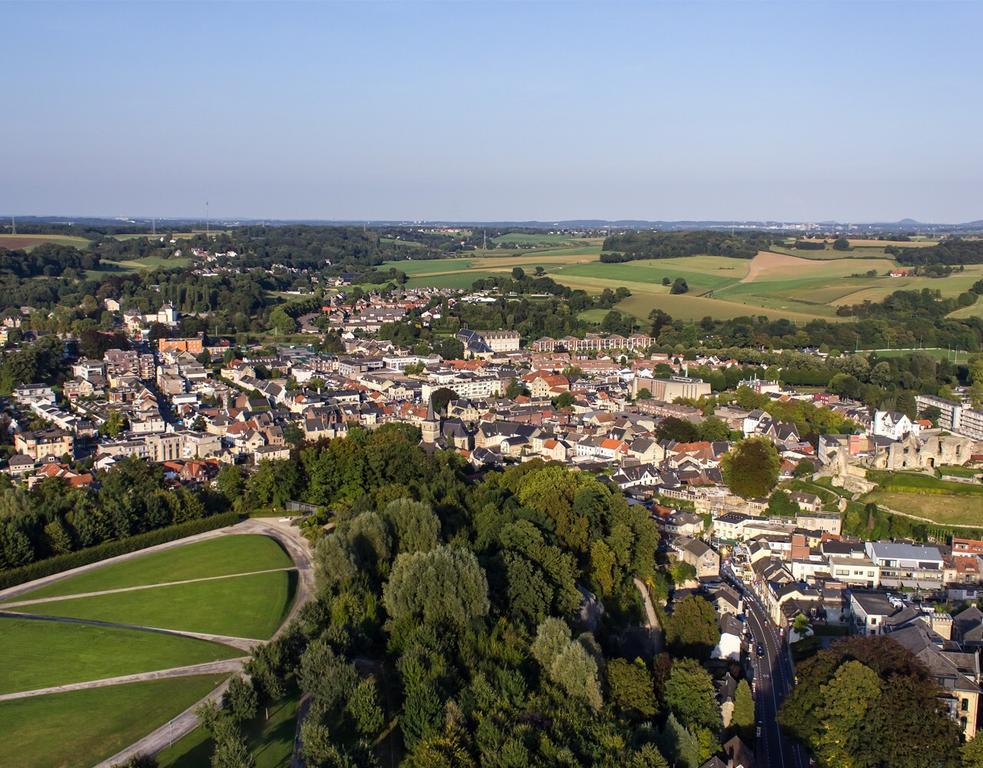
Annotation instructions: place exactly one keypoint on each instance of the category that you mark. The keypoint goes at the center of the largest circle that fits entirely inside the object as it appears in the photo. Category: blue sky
(469, 110)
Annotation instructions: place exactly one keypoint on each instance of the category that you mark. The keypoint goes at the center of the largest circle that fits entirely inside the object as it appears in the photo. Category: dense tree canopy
(750, 469)
(867, 701)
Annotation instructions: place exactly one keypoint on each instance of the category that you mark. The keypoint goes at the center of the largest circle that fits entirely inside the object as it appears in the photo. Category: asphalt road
(774, 677)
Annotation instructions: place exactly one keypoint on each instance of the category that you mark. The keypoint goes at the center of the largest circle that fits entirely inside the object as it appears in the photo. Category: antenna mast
(206, 218)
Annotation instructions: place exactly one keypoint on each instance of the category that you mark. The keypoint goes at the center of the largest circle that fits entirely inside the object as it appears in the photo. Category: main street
(774, 678)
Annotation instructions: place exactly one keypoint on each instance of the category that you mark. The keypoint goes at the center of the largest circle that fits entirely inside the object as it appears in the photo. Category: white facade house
(893, 425)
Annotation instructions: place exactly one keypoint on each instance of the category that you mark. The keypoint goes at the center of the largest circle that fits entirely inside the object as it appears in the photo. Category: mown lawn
(242, 606)
(212, 557)
(41, 654)
(81, 728)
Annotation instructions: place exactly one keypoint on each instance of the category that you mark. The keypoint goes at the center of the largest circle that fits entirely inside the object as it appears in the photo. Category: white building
(893, 425)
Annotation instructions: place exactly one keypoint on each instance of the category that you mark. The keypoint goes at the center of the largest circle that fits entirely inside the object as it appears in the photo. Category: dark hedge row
(109, 549)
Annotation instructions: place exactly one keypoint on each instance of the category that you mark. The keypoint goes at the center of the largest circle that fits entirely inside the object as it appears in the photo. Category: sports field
(81, 728)
(29, 242)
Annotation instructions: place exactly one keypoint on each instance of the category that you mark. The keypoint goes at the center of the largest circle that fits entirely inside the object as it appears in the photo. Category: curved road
(774, 676)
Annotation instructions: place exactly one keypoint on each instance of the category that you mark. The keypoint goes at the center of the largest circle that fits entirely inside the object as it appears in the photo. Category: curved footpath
(242, 643)
(206, 668)
(137, 588)
(288, 536)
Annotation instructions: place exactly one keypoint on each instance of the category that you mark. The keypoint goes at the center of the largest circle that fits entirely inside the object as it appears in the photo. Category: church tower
(431, 426)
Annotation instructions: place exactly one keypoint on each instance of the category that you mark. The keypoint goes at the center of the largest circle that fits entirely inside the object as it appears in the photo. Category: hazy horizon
(854, 112)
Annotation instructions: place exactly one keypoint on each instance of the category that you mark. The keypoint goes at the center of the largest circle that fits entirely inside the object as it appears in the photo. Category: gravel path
(207, 668)
(117, 590)
(242, 643)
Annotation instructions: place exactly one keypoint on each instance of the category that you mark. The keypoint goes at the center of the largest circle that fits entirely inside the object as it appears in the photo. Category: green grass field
(593, 315)
(242, 606)
(156, 262)
(81, 728)
(943, 501)
(943, 509)
(42, 654)
(405, 243)
(939, 354)
(906, 482)
(533, 239)
(30, 242)
(976, 310)
(213, 557)
(270, 741)
(414, 267)
(462, 280)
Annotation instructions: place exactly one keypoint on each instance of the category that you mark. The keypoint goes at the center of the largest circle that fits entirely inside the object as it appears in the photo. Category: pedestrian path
(118, 590)
(207, 668)
(242, 643)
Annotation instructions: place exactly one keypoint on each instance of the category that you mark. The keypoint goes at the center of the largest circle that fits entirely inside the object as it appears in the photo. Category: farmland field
(240, 606)
(213, 557)
(28, 242)
(532, 239)
(175, 235)
(798, 285)
(81, 728)
(42, 654)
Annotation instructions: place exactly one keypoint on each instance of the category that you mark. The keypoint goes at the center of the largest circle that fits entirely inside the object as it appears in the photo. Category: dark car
(757, 730)
(761, 650)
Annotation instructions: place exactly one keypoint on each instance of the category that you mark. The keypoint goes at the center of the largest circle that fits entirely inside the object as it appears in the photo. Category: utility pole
(153, 225)
(206, 218)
